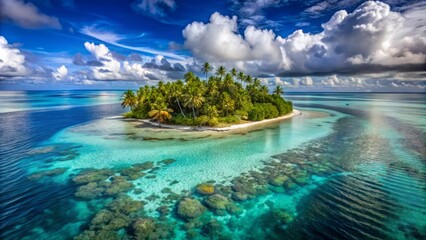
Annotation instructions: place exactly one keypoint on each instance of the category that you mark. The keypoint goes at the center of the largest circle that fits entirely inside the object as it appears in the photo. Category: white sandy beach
(222, 129)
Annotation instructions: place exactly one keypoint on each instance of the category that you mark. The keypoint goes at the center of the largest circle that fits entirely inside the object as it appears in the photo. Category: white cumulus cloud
(11, 60)
(372, 38)
(111, 68)
(219, 42)
(60, 73)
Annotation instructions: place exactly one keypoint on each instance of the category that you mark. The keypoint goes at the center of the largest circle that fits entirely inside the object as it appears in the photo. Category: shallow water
(363, 156)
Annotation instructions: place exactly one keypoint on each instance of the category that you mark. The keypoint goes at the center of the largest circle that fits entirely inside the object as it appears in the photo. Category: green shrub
(229, 119)
(262, 111)
(141, 112)
(213, 122)
(242, 114)
(181, 120)
(202, 120)
(284, 107)
(256, 113)
(134, 114)
(271, 110)
(129, 115)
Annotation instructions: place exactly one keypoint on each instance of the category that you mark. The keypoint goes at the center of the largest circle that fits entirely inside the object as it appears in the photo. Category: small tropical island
(221, 100)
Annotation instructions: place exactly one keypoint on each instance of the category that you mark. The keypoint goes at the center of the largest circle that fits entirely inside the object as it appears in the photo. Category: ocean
(352, 166)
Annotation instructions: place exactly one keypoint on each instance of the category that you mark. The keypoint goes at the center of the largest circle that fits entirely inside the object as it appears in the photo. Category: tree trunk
(177, 99)
(193, 111)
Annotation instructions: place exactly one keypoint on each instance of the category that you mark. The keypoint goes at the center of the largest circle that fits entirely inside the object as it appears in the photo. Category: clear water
(12, 101)
(370, 146)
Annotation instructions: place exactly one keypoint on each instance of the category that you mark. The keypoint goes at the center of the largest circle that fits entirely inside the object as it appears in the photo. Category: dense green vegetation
(226, 97)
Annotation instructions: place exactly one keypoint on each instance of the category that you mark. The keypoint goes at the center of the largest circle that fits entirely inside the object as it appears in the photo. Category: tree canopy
(220, 99)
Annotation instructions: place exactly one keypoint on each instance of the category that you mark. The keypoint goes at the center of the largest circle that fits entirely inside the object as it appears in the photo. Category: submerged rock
(108, 220)
(93, 175)
(261, 190)
(118, 185)
(50, 173)
(301, 179)
(289, 185)
(239, 196)
(143, 227)
(281, 216)
(173, 196)
(163, 211)
(118, 222)
(137, 191)
(125, 205)
(217, 202)
(101, 234)
(234, 209)
(89, 191)
(174, 182)
(102, 217)
(168, 161)
(143, 166)
(223, 190)
(212, 229)
(152, 197)
(42, 150)
(244, 186)
(205, 188)
(190, 208)
(278, 180)
(154, 169)
(166, 190)
(132, 173)
(276, 189)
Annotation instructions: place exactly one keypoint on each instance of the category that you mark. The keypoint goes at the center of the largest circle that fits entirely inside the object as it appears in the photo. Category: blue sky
(313, 45)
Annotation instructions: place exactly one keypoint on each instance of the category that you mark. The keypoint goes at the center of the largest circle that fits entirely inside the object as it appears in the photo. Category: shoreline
(220, 129)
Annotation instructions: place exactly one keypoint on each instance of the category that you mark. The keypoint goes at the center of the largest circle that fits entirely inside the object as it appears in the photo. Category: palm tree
(193, 99)
(177, 93)
(206, 68)
(234, 72)
(228, 82)
(228, 104)
(160, 112)
(212, 88)
(241, 77)
(211, 111)
(248, 79)
(189, 77)
(161, 86)
(256, 83)
(264, 89)
(128, 100)
(278, 90)
(168, 92)
(221, 71)
(140, 96)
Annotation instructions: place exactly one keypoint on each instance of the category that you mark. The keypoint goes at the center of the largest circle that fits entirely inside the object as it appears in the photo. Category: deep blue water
(371, 145)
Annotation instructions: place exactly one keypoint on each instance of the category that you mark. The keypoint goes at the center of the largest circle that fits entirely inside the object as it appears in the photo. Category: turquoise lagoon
(356, 162)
